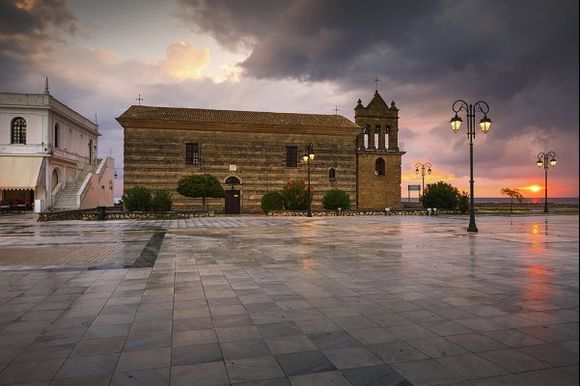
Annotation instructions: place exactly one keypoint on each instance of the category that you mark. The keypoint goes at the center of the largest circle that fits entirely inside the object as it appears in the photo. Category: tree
(336, 198)
(295, 195)
(200, 186)
(513, 194)
(440, 195)
(272, 200)
(463, 202)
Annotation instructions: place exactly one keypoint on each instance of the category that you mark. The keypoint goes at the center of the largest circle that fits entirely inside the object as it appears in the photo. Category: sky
(311, 56)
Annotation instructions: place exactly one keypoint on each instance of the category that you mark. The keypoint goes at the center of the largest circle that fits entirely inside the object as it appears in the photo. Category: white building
(48, 156)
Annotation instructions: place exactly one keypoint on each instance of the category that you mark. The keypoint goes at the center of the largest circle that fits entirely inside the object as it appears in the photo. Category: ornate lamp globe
(485, 124)
(539, 163)
(456, 123)
(553, 162)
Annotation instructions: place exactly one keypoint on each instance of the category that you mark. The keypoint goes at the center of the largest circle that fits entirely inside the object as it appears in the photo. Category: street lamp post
(484, 124)
(543, 161)
(422, 167)
(308, 158)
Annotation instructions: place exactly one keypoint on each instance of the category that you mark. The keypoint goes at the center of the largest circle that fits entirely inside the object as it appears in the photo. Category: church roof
(155, 113)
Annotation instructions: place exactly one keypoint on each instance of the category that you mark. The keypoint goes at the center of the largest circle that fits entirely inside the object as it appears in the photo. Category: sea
(499, 200)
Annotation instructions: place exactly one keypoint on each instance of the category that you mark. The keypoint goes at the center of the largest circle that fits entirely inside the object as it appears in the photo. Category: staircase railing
(54, 192)
(83, 190)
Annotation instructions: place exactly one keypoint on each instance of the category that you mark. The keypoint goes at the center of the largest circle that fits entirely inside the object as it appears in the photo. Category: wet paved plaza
(279, 301)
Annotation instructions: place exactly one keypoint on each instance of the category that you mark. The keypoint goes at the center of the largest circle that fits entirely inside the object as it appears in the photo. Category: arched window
(332, 174)
(56, 135)
(377, 133)
(380, 167)
(366, 134)
(18, 126)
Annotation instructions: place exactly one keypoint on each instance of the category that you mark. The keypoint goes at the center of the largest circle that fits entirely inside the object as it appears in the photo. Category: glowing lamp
(485, 124)
(539, 163)
(455, 123)
(553, 162)
(305, 158)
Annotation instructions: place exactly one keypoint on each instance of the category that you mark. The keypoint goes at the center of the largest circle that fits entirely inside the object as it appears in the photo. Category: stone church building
(254, 152)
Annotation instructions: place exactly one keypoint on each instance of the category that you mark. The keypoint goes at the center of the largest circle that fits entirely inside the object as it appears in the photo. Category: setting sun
(533, 188)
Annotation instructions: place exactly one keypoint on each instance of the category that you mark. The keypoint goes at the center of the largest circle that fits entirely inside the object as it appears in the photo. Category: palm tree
(513, 194)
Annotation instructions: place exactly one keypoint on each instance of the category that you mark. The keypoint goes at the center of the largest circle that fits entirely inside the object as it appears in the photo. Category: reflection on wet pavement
(260, 300)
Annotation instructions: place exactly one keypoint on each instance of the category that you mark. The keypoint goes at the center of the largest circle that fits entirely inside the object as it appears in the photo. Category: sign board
(233, 168)
(414, 187)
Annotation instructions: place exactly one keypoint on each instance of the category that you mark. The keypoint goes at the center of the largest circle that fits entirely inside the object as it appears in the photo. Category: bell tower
(378, 155)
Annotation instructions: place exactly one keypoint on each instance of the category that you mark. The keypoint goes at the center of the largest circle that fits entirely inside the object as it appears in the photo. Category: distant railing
(62, 153)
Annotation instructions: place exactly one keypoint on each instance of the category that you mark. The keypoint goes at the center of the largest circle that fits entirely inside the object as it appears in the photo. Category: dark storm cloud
(27, 28)
(521, 52)
(22, 17)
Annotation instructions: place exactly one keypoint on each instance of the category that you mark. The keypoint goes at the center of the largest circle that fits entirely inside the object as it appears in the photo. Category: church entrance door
(232, 202)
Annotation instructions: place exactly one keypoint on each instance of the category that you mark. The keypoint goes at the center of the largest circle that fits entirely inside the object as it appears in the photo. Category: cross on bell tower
(376, 80)
(139, 99)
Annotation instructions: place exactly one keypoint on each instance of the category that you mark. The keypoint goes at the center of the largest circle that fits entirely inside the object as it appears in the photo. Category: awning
(19, 172)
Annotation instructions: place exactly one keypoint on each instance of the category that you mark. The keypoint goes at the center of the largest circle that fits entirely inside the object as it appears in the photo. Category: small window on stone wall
(291, 156)
(380, 167)
(332, 174)
(192, 153)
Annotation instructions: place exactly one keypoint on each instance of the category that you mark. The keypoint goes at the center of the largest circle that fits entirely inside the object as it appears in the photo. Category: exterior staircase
(66, 199)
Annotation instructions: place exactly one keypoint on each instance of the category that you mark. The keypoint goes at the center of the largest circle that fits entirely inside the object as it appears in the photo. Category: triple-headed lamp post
(308, 158)
(421, 167)
(484, 124)
(543, 162)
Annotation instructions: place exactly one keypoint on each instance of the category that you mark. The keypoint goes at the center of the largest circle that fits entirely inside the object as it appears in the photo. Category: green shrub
(440, 195)
(137, 198)
(336, 198)
(295, 195)
(161, 201)
(272, 201)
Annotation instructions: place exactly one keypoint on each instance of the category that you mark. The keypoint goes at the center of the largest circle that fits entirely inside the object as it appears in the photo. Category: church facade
(252, 153)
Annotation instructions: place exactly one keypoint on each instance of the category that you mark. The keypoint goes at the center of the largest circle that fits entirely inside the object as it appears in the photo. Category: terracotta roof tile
(232, 116)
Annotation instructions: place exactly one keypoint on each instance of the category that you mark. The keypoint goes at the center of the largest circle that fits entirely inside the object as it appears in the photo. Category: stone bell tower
(378, 155)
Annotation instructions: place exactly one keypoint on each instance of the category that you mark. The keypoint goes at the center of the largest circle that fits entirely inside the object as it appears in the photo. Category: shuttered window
(291, 156)
(192, 153)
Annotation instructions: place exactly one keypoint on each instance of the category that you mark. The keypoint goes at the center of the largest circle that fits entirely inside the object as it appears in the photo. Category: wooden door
(232, 202)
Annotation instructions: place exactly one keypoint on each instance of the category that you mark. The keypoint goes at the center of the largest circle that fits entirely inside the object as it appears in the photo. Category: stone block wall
(379, 192)
(155, 158)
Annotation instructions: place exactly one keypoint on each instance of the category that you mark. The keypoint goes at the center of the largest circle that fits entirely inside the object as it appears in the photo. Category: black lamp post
(543, 161)
(422, 167)
(308, 158)
(484, 124)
